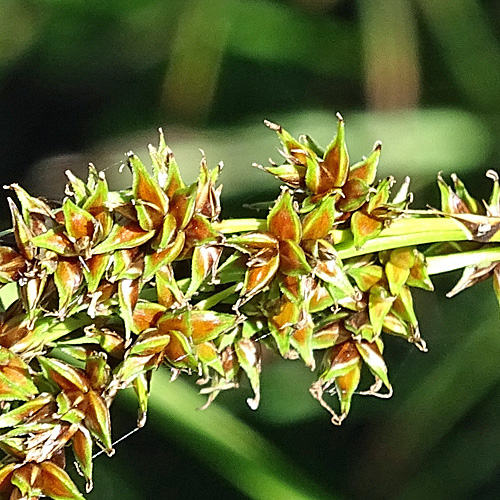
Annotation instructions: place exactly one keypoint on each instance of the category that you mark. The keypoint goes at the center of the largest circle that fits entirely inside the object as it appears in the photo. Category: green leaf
(301, 339)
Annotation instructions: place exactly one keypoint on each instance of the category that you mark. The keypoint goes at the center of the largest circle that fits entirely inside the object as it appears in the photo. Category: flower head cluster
(109, 285)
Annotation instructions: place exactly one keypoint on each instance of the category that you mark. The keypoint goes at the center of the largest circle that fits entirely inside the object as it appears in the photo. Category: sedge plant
(110, 285)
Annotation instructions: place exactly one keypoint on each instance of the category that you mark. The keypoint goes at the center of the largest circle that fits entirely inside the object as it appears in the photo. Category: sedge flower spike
(123, 282)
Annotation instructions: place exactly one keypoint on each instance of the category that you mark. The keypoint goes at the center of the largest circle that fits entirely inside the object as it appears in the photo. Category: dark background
(87, 80)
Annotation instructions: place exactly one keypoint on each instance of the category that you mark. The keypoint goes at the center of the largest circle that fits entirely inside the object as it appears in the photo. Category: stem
(407, 232)
(229, 226)
(402, 232)
(451, 262)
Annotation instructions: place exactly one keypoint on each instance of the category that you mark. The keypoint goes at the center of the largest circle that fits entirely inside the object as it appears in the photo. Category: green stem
(230, 226)
(403, 232)
(407, 232)
(451, 262)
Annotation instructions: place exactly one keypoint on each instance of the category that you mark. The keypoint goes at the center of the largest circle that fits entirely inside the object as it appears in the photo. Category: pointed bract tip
(272, 126)
(339, 117)
(492, 174)
(377, 146)
(253, 403)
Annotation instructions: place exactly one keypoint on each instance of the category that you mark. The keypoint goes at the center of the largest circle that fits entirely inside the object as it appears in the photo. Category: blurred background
(88, 80)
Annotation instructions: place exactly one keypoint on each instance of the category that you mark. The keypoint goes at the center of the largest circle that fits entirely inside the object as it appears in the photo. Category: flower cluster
(110, 285)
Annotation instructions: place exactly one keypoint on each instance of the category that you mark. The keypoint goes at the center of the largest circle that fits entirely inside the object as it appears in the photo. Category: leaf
(11, 264)
(346, 386)
(167, 288)
(95, 205)
(327, 335)
(146, 315)
(142, 387)
(301, 339)
(6, 476)
(366, 276)
(76, 187)
(148, 343)
(27, 479)
(155, 260)
(331, 172)
(419, 276)
(151, 202)
(356, 193)
(396, 277)
(182, 205)
(293, 147)
(174, 180)
(178, 351)
(281, 324)
(291, 174)
(336, 159)
(31, 205)
(97, 370)
(128, 295)
(22, 232)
